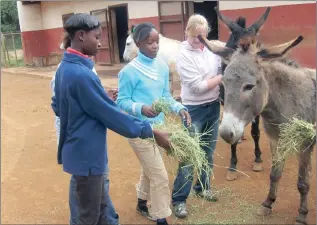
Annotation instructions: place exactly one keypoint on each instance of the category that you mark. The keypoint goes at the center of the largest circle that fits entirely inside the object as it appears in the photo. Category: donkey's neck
(291, 91)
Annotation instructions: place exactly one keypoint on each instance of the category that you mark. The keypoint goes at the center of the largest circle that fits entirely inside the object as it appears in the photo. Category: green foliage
(9, 16)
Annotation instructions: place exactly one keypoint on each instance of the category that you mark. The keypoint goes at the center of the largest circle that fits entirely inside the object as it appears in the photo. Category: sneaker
(144, 212)
(180, 210)
(207, 194)
(161, 222)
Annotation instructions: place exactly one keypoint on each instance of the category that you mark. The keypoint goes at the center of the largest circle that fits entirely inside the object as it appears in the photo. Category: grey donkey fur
(263, 81)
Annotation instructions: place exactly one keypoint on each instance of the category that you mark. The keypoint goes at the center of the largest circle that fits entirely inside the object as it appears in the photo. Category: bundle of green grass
(161, 105)
(186, 145)
(294, 134)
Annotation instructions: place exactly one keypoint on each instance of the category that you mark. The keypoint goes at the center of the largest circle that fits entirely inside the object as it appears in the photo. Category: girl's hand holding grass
(148, 111)
(185, 117)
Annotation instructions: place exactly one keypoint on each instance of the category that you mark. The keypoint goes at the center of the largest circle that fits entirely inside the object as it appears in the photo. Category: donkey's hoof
(264, 211)
(299, 223)
(300, 220)
(231, 175)
(257, 167)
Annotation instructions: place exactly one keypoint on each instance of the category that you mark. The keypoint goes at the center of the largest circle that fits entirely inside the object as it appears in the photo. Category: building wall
(286, 21)
(41, 24)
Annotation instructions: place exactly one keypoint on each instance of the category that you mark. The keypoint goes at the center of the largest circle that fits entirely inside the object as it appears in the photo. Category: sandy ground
(35, 189)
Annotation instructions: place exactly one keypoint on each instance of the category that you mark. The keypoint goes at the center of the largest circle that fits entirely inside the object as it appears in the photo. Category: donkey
(238, 30)
(260, 80)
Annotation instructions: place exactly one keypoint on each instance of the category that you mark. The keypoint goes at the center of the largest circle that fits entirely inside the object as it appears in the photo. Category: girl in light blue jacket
(141, 82)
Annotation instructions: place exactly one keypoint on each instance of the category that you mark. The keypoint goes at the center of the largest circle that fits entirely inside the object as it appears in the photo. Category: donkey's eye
(248, 87)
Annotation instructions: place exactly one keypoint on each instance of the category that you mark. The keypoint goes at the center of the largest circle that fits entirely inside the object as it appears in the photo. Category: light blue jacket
(141, 82)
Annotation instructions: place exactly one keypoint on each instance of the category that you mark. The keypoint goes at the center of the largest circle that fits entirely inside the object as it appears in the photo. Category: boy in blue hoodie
(110, 215)
(86, 112)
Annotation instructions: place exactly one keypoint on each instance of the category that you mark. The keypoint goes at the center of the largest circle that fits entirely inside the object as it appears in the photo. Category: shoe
(144, 212)
(207, 194)
(161, 222)
(180, 210)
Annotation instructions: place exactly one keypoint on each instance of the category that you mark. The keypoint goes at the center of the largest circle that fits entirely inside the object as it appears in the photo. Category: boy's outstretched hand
(162, 139)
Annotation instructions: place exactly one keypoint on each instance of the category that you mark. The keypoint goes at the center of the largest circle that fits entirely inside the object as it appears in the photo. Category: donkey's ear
(224, 52)
(232, 25)
(279, 51)
(258, 25)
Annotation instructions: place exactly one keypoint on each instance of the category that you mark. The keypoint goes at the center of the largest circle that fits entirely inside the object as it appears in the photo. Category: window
(65, 17)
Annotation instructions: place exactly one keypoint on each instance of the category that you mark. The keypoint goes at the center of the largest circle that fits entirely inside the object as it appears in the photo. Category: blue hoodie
(85, 113)
(143, 81)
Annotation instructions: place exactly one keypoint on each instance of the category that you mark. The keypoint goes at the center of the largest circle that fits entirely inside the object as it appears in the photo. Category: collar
(188, 46)
(143, 58)
(78, 59)
(73, 51)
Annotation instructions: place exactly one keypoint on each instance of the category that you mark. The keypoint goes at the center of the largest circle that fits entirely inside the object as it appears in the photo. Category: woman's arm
(96, 103)
(191, 77)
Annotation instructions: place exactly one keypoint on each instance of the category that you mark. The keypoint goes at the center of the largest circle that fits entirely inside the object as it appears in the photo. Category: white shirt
(195, 67)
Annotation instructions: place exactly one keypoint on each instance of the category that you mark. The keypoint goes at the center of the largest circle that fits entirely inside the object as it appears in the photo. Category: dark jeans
(109, 214)
(205, 117)
(90, 194)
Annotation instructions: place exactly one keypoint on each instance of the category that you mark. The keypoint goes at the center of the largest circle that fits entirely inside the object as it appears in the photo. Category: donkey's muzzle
(231, 128)
(227, 134)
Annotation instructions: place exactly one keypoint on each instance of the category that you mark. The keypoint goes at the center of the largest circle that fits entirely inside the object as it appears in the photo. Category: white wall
(52, 11)
(141, 9)
(228, 5)
(29, 17)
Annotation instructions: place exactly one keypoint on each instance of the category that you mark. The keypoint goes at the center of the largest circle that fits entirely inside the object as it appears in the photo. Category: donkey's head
(238, 28)
(246, 87)
(130, 50)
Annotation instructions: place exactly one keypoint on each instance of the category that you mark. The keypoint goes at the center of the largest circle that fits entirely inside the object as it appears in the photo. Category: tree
(9, 16)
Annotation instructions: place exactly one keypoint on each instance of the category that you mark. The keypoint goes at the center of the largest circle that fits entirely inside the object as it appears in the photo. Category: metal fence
(11, 50)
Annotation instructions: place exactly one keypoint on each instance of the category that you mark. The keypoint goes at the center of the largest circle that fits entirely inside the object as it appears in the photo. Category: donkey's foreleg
(232, 173)
(255, 132)
(275, 176)
(304, 170)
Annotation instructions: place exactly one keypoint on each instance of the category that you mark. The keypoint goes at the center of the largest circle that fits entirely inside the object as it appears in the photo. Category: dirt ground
(35, 189)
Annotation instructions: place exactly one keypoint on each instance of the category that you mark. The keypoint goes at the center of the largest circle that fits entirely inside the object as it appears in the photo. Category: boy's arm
(126, 85)
(95, 102)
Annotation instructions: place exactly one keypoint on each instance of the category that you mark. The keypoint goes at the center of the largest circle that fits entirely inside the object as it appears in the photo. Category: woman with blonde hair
(199, 71)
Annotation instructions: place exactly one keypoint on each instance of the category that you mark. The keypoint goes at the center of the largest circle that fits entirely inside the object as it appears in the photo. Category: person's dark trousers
(110, 214)
(205, 117)
(90, 193)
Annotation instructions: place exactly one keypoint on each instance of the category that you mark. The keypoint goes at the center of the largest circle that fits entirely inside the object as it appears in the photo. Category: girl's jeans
(205, 117)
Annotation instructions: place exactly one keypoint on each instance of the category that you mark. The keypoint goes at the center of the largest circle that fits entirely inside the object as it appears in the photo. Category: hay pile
(294, 135)
(186, 144)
